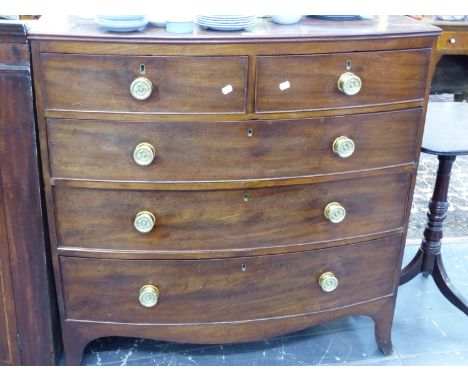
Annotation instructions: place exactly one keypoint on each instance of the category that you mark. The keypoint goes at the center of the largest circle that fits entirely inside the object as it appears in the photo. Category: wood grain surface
(386, 77)
(240, 235)
(9, 349)
(27, 292)
(180, 84)
(225, 151)
(197, 221)
(227, 290)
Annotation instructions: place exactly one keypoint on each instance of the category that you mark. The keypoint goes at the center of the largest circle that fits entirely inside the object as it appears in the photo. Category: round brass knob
(349, 83)
(144, 221)
(335, 212)
(144, 154)
(141, 88)
(343, 147)
(328, 282)
(148, 296)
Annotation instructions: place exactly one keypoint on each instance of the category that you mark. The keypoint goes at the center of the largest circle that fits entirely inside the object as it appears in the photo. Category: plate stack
(122, 23)
(227, 22)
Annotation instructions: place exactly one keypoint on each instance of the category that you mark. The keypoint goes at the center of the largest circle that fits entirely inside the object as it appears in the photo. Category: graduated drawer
(308, 82)
(180, 84)
(233, 289)
(195, 221)
(215, 151)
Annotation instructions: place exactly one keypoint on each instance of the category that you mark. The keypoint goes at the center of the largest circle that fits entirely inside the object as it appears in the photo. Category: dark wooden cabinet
(29, 333)
(226, 187)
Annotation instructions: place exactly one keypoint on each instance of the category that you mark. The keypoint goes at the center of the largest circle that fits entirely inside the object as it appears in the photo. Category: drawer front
(453, 42)
(234, 219)
(208, 291)
(215, 151)
(295, 83)
(180, 84)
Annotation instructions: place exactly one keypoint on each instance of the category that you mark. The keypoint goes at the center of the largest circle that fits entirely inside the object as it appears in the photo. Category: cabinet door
(9, 354)
(27, 304)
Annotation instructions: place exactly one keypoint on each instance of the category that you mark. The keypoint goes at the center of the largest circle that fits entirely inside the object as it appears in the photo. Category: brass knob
(148, 296)
(349, 83)
(141, 88)
(335, 212)
(144, 154)
(343, 147)
(144, 221)
(328, 282)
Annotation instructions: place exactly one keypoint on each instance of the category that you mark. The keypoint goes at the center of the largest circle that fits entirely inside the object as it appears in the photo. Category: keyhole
(244, 267)
(246, 196)
(349, 65)
(250, 132)
(142, 68)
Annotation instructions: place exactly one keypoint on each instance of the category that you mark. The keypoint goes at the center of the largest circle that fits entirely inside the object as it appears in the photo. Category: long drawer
(180, 84)
(209, 291)
(229, 219)
(216, 151)
(295, 83)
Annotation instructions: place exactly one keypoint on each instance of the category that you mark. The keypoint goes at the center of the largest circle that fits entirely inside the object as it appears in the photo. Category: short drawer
(196, 221)
(234, 289)
(453, 42)
(180, 84)
(217, 151)
(309, 82)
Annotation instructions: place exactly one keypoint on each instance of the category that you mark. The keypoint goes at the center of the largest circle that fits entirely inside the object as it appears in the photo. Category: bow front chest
(227, 187)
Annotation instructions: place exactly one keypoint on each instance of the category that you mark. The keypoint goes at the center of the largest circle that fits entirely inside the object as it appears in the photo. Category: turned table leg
(428, 259)
(438, 206)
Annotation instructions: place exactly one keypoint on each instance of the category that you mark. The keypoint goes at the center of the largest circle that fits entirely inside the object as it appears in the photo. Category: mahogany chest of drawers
(227, 187)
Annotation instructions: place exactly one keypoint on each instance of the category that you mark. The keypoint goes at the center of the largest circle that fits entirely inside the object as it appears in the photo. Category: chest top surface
(309, 28)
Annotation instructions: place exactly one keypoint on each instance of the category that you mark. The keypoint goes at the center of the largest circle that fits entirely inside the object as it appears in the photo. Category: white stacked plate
(226, 22)
(122, 23)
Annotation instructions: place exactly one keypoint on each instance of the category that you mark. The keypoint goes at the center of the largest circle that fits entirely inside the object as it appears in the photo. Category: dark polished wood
(191, 221)
(228, 290)
(28, 331)
(391, 30)
(105, 84)
(9, 346)
(428, 259)
(402, 79)
(78, 334)
(225, 151)
(240, 224)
